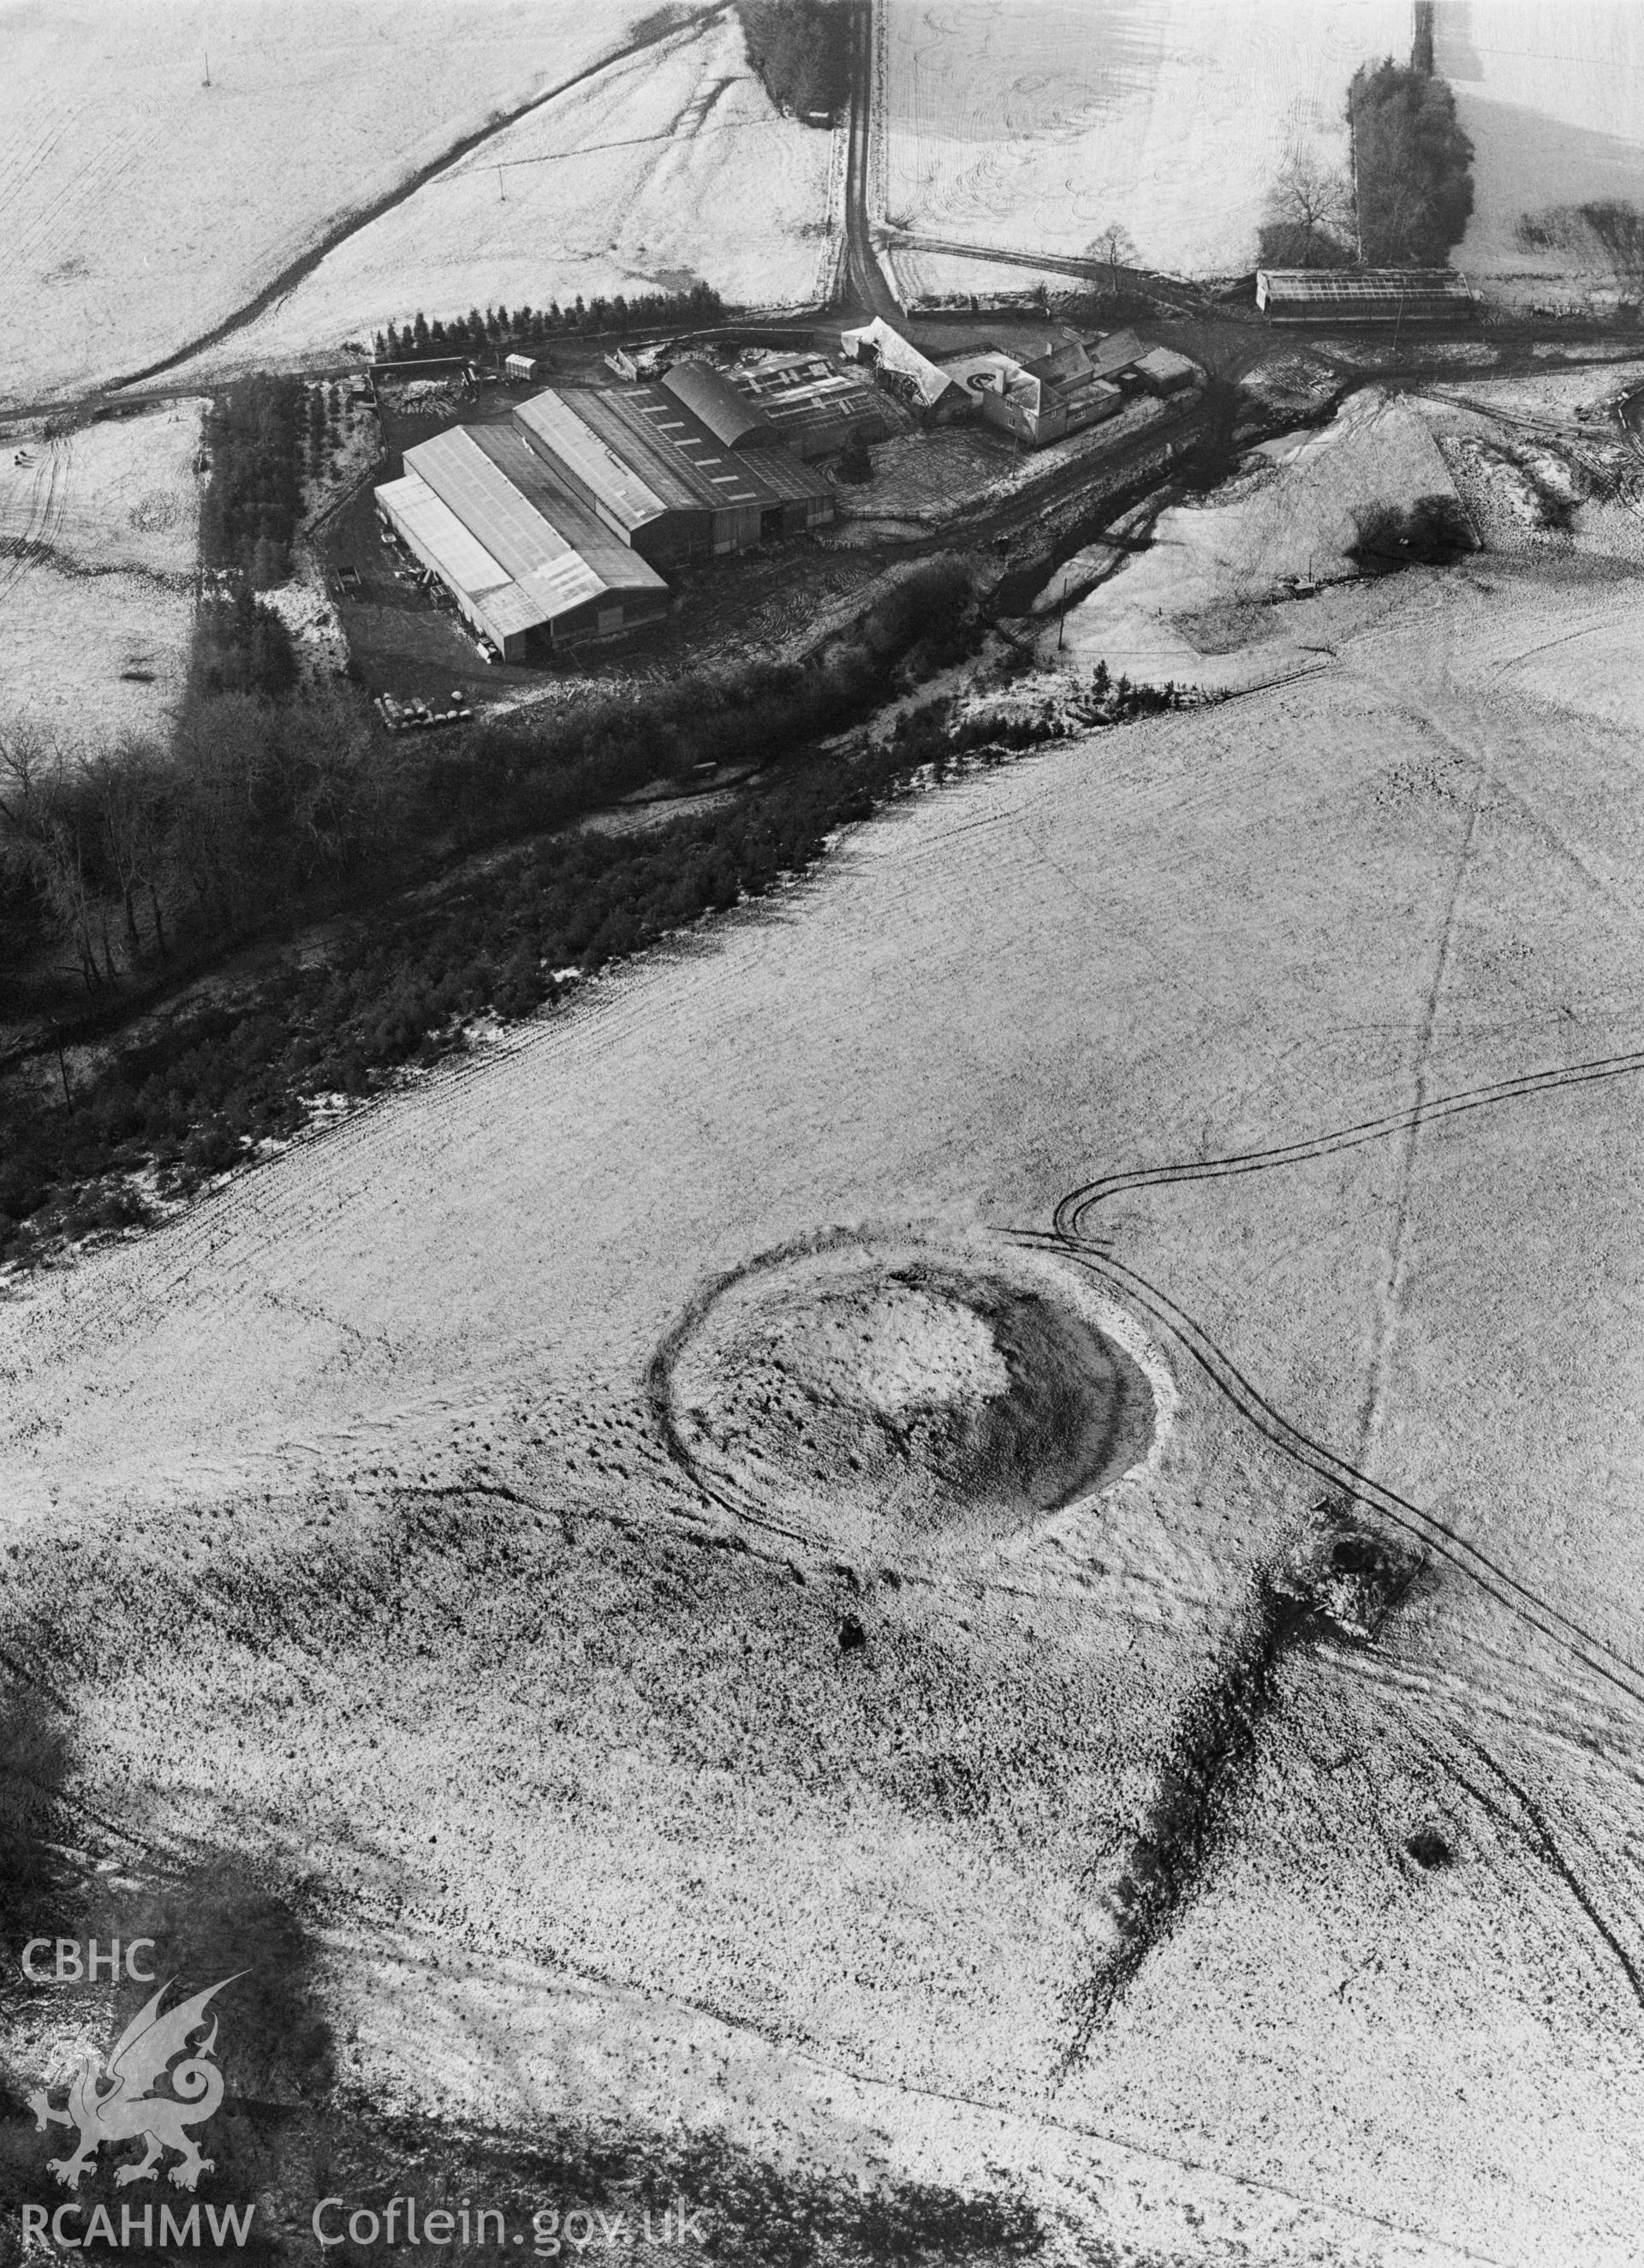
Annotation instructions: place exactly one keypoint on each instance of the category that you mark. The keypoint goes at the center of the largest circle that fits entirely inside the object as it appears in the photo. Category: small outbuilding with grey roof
(528, 567)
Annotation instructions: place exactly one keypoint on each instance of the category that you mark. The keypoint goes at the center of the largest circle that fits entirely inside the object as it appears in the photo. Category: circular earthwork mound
(853, 1387)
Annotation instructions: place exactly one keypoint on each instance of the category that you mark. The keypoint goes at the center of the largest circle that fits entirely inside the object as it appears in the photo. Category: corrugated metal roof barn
(653, 472)
(731, 417)
(522, 560)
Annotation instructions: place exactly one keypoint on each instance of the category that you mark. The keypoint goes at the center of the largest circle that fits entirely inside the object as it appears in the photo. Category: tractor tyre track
(1073, 1209)
(1069, 1234)
(1537, 1830)
(1561, 1631)
(1196, 1811)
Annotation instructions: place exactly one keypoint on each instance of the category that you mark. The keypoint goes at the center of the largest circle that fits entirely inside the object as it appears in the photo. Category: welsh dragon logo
(114, 2105)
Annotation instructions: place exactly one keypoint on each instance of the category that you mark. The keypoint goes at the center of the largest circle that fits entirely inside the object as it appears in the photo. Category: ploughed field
(764, 1570)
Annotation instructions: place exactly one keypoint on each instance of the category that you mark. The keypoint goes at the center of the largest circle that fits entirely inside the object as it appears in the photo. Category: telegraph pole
(206, 80)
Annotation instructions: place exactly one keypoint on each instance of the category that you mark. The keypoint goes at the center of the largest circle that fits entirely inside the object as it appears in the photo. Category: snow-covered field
(1540, 465)
(143, 206)
(1031, 123)
(98, 545)
(1197, 608)
(700, 1868)
(1552, 93)
(668, 168)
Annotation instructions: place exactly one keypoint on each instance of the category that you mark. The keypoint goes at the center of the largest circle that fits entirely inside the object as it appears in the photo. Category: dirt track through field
(862, 279)
(1398, 1235)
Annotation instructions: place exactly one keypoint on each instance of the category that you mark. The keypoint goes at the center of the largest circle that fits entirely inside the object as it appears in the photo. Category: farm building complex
(555, 524)
(550, 529)
(1069, 388)
(1363, 295)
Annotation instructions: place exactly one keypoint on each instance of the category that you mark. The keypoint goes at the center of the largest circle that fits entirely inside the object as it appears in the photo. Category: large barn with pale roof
(530, 568)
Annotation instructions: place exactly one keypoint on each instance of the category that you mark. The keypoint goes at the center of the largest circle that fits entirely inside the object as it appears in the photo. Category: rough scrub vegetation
(1609, 230)
(1432, 532)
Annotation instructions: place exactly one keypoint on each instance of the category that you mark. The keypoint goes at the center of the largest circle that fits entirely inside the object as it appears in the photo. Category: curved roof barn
(729, 416)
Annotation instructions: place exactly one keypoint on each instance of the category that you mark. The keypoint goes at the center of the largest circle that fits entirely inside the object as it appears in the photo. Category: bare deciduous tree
(1113, 244)
(1309, 220)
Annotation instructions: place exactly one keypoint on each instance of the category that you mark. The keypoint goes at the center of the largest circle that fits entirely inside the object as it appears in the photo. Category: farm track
(1068, 1233)
(863, 279)
(351, 224)
(1170, 289)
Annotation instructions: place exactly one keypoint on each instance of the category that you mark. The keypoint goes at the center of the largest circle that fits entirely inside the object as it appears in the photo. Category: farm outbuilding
(922, 384)
(523, 368)
(529, 569)
(1041, 401)
(1364, 295)
(1116, 354)
(641, 364)
(655, 474)
(731, 417)
(815, 409)
(1162, 371)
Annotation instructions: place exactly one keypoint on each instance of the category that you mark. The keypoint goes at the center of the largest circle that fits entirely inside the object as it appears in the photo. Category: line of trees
(499, 329)
(324, 427)
(253, 437)
(800, 52)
